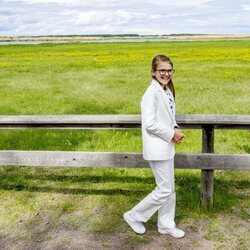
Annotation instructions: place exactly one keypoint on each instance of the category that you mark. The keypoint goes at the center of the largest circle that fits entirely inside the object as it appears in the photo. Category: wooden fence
(207, 161)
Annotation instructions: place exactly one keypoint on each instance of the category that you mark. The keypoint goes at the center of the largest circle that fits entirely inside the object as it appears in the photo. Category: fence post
(207, 176)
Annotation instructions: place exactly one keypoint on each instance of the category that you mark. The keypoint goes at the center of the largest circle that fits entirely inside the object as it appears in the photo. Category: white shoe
(175, 232)
(137, 226)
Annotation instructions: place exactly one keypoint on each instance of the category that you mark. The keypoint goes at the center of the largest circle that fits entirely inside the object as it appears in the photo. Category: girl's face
(163, 73)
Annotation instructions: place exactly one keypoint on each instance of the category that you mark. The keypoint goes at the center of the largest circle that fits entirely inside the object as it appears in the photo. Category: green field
(42, 207)
(110, 78)
(103, 78)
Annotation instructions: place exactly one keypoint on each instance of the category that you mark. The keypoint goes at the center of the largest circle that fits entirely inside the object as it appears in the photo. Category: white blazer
(157, 123)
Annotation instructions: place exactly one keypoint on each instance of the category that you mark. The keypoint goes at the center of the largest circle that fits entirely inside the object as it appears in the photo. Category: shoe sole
(127, 220)
(164, 232)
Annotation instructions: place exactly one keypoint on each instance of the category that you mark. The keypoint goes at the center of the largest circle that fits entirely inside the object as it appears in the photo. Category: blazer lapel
(163, 96)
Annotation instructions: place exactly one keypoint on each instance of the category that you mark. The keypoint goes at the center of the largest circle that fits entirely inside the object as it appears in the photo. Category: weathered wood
(194, 121)
(214, 119)
(207, 162)
(70, 121)
(207, 139)
(207, 188)
(110, 159)
(207, 176)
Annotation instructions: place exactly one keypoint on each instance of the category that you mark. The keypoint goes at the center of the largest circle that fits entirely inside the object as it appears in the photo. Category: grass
(37, 203)
(110, 78)
(54, 208)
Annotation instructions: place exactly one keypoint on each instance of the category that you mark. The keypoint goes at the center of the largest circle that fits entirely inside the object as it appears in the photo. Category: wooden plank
(213, 161)
(119, 121)
(207, 139)
(70, 121)
(207, 188)
(71, 159)
(213, 119)
(110, 159)
(207, 176)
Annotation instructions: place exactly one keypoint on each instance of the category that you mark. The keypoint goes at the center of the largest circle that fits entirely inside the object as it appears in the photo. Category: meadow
(53, 208)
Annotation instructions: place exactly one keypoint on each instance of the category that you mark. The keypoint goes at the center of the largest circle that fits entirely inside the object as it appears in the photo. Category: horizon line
(128, 34)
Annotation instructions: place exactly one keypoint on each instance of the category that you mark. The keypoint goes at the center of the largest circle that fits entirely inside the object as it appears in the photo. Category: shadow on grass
(81, 179)
(114, 191)
(227, 193)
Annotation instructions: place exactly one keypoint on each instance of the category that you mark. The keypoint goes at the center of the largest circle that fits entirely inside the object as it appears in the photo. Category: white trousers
(162, 198)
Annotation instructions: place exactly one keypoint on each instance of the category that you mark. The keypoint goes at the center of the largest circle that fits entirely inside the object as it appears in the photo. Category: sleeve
(176, 125)
(149, 111)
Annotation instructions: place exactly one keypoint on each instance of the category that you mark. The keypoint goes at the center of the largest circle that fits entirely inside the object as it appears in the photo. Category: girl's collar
(158, 85)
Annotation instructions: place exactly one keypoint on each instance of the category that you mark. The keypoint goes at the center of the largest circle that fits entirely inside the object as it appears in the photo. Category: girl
(159, 133)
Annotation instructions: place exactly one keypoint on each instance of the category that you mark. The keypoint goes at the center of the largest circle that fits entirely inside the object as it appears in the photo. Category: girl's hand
(178, 136)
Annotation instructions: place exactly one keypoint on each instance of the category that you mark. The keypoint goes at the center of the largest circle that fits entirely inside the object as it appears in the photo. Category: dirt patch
(221, 232)
(194, 239)
(72, 240)
(59, 240)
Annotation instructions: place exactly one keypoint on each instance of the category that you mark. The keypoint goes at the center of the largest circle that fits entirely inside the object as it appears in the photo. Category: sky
(143, 17)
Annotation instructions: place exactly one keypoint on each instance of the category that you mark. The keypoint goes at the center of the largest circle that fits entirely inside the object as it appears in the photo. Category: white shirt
(171, 102)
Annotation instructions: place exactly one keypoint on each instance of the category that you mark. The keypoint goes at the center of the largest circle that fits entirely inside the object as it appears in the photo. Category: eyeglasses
(164, 71)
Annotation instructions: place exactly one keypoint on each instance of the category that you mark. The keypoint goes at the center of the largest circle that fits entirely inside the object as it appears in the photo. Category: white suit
(158, 122)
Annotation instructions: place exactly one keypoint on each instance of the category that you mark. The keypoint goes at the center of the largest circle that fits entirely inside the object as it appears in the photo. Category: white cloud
(245, 7)
(118, 17)
(180, 3)
(48, 17)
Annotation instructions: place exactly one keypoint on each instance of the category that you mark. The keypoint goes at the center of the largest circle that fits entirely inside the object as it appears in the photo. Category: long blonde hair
(164, 58)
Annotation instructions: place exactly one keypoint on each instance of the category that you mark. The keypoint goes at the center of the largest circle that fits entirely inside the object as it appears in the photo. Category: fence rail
(207, 161)
(194, 121)
(119, 160)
